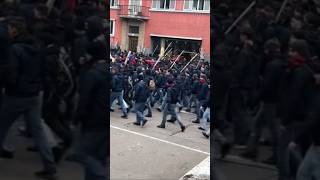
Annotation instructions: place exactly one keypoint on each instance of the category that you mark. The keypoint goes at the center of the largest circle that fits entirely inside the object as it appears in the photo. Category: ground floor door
(133, 43)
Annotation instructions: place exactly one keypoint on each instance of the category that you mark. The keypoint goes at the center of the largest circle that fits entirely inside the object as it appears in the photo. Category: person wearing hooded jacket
(170, 107)
(92, 114)
(22, 94)
(298, 92)
(141, 96)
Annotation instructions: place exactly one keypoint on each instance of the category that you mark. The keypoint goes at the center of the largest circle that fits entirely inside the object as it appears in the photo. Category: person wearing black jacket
(92, 113)
(195, 88)
(22, 94)
(116, 90)
(272, 80)
(170, 107)
(309, 168)
(296, 103)
(206, 114)
(201, 97)
(141, 96)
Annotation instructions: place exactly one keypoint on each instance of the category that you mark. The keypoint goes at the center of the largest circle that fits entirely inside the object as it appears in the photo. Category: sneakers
(6, 154)
(46, 175)
(161, 126)
(144, 122)
(205, 135)
(136, 123)
(201, 128)
(149, 115)
(197, 121)
(171, 120)
(183, 128)
(124, 116)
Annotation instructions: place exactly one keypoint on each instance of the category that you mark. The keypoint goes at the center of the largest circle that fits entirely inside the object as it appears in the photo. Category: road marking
(200, 171)
(161, 140)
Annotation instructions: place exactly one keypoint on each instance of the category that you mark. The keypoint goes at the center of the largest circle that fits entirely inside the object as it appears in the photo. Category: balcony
(134, 12)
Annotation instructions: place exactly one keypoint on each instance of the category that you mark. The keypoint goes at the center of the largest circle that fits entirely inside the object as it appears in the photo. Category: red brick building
(150, 25)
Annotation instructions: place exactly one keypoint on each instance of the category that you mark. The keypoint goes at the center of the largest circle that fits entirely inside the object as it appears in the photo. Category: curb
(199, 172)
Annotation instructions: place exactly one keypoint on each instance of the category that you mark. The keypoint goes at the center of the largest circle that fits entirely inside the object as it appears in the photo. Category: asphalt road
(25, 163)
(150, 153)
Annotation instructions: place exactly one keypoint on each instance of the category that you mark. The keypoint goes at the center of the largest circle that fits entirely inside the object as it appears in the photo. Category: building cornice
(177, 37)
(179, 11)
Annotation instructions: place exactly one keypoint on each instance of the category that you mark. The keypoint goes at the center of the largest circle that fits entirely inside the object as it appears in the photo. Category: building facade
(149, 26)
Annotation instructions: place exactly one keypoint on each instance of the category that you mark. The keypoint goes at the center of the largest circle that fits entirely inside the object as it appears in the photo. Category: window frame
(113, 4)
(113, 30)
(156, 5)
(190, 6)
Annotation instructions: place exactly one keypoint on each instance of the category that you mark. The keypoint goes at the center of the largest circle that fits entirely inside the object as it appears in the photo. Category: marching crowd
(266, 82)
(53, 65)
(169, 83)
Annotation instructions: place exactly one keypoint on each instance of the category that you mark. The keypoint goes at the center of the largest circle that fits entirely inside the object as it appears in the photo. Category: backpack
(152, 85)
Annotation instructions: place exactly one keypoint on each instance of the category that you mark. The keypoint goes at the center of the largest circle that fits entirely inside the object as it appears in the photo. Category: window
(164, 4)
(114, 3)
(197, 5)
(134, 29)
(112, 27)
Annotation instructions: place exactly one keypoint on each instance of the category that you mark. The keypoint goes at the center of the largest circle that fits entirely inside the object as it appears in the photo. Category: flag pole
(188, 63)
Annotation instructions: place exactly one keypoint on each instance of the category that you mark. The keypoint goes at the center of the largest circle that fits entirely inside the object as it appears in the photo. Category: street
(150, 153)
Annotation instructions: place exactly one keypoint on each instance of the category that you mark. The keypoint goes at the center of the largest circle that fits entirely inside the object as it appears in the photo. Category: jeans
(310, 166)
(94, 155)
(30, 108)
(158, 96)
(119, 97)
(139, 107)
(171, 109)
(163, 104)
(204, 119)
(266, 114)
(192, 99)
(148, 104)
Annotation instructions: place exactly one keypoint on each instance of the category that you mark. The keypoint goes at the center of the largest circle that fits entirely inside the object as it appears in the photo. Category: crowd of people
(54, 78)
(266, 84)
(168, 83)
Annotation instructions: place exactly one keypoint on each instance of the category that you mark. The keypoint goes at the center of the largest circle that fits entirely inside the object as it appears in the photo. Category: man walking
(22, 94)
(170, 107)
(141, 96)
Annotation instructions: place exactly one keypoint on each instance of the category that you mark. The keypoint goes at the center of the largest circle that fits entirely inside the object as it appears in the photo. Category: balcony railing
(133, 11)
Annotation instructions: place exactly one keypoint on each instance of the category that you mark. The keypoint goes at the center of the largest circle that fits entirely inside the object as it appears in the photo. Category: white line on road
(161, 140)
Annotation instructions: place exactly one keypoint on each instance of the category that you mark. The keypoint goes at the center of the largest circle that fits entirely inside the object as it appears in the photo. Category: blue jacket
(117, 83)
(142, 92)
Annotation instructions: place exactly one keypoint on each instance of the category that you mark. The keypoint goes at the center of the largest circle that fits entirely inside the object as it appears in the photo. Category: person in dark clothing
(170, 106)
(58, 86)
(22, 94)
(296, 102)
(141, 96)
(116, 91)
(272, 80)
(309, 167)
(201, 97)
(92, 113)
(195, 88)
